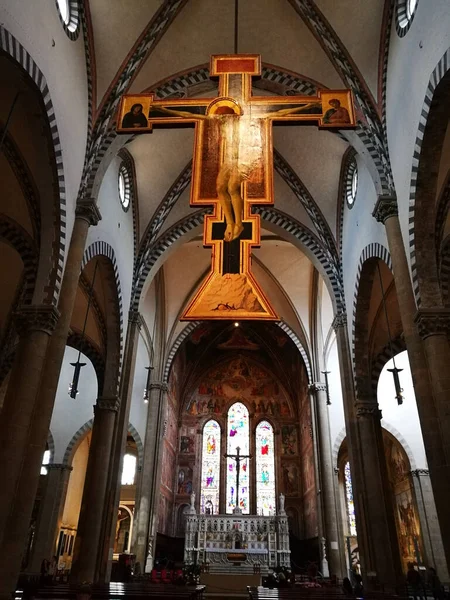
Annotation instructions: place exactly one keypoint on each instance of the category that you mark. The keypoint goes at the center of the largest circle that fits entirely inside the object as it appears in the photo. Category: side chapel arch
(430, 137)
(51, 279)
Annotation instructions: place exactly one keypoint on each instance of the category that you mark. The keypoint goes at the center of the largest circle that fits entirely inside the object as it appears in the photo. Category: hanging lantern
(73, 385)
(326, 373)
(147, 385)
(394, 370)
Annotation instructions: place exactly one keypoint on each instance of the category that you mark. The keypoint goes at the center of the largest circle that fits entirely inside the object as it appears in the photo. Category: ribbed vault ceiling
(302, 43)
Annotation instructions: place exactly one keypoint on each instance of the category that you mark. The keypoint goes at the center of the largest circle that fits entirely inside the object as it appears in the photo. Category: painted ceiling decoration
(314, 223)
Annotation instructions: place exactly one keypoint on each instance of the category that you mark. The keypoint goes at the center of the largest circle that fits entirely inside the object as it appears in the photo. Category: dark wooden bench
(128, 591)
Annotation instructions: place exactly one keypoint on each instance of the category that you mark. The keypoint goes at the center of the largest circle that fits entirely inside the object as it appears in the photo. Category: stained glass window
(45, 461)
(238, 436)
(129, 469)
(349, 497)
(209, 496)
(265, 469)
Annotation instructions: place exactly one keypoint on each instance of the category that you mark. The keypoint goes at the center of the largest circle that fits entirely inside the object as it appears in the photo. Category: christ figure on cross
(232, 170)
(238, 458)
(241, 136)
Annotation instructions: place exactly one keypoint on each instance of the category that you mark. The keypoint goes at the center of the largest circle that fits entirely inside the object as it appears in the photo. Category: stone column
(355, 451)
(147, 511)
(28, 475)
(326, 491)
(379, 515)
(51, 514)
(429, 362)
(429, 524)
(120, 440)
(87, 543)
(34, 325)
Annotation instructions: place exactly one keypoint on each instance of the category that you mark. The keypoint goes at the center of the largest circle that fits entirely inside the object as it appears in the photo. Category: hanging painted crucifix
(233, 170)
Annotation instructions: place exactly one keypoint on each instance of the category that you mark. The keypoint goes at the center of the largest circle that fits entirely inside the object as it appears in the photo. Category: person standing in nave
(414, 582)
(435, 584)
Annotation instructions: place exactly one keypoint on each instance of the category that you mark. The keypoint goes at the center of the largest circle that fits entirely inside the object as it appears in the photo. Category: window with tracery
(210, 482)
(349, 499)
(265, 469)
(238, 436)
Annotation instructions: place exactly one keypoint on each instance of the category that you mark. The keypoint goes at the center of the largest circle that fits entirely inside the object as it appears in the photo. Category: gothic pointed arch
(423, 212)
(51, 277)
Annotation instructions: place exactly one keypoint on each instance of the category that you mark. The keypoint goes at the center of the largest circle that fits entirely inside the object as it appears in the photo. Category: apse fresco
(258, 390)
(243, 380)
(238, 436)
(265, 469)
(210, 482)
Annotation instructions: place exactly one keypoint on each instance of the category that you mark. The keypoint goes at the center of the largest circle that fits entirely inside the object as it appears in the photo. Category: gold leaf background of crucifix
(230, 290)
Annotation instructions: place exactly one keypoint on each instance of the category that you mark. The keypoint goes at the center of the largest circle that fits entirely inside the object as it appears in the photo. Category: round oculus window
(352, 183)
(124, 187)
(69, 16)
(64, 10)
(405, 11)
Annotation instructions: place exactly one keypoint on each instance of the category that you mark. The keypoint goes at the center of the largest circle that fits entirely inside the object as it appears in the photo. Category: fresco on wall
(186, 444)
(184, 480)
(176, 377)
(307, 468)
(290, 478)
(289, 440)
(164, 515)
(407, 520)
(409, 529)
(168, 466)
(310, 514)
(123, 524)
(238, 380)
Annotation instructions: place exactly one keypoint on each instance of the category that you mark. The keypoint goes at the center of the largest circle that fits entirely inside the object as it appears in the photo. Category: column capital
(36, 317)
(420, 473)
(135, 317)
(317, 386)
(385, 208)
(340, 320)
(87, 209)
(432, 321)
(58, 467)
(111, 403)
(159, 385)
(368, 409)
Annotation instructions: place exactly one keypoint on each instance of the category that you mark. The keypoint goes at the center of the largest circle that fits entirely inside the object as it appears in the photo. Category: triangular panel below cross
(230, 296)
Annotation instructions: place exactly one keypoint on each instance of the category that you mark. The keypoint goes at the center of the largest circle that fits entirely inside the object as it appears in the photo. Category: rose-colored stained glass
(210, 490)
(238, 435)
(265, 469)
